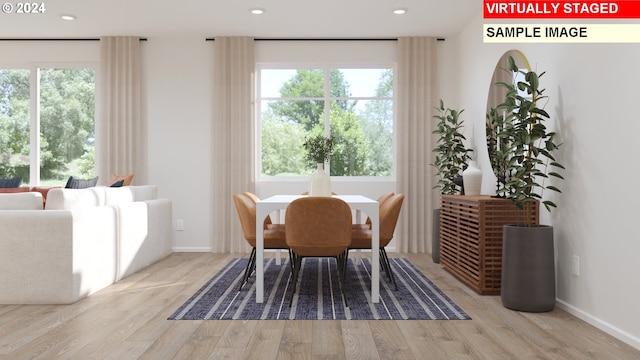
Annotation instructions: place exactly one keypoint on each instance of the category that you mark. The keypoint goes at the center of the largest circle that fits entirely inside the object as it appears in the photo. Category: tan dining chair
(389, 213)
(307, 193)
(319, 227)
(273, 238)
(381, 200)
(268, 224)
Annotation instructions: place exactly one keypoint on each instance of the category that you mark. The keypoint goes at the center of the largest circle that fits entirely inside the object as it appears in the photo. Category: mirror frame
(495, 97)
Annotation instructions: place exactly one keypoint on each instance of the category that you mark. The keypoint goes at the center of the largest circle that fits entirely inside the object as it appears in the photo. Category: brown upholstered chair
(389, 213)
(273, 238)
(307, 193)
(267, 221)
(367, 224)
(318, 227)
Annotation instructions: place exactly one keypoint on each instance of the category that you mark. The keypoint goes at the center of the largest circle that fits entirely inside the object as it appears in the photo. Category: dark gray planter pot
(528, 268)
(435, 237)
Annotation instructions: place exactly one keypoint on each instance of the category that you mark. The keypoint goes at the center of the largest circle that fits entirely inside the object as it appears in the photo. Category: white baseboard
(192, 249)
(600, 324)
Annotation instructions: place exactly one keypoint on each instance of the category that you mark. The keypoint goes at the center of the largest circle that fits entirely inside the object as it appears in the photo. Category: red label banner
(622, 9)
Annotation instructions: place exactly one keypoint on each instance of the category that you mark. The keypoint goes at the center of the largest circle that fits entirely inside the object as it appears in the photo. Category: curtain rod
(324, 39)
(213, 39)
(56, 39)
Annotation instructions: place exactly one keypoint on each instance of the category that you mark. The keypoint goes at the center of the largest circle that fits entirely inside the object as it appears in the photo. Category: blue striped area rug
(318, 296)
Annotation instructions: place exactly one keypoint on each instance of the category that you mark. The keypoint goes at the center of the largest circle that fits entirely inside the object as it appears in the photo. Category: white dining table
(357, 202)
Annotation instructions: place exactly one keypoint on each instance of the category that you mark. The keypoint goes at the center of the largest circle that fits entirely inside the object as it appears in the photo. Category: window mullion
(327, 110)
(34, 148)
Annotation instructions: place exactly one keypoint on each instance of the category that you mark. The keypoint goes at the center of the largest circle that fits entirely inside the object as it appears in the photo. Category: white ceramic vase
(320, 182)
(472, 179)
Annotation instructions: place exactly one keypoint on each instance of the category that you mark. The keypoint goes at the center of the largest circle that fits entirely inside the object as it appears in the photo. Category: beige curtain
(233, 134)
(121, 146)
(416, 99)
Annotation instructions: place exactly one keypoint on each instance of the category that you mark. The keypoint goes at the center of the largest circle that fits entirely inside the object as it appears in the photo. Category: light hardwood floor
(128, 321)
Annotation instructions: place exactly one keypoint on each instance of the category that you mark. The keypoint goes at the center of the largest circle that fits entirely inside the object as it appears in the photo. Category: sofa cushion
(44, 191)
(56, 257)
(21, 201)
(144, 192)
(74, 183)
(127, 194)
(10, 183)
(71, 199)
(118, 195)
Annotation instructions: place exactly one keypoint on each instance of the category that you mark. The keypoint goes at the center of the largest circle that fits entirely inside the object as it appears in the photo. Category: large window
(47, 128)
(353, 105)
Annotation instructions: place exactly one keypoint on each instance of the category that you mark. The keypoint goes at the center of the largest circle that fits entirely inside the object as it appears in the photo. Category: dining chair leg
(291, 260)
(383, 264)
(342, 273)
(385, 259)
(249, 269)
(296, 271)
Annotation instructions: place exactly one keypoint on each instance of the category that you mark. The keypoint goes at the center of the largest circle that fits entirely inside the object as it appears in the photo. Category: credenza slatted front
(471, 238)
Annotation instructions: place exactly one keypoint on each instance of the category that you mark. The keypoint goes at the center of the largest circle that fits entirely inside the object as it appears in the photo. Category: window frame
(34, 68)
(325, 67)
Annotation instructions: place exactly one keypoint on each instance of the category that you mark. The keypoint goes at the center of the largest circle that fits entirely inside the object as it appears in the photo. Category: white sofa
(83, 241)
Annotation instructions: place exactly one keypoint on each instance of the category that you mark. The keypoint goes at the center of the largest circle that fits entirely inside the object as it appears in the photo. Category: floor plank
(128, 320)
(359, 343)
(297, 338)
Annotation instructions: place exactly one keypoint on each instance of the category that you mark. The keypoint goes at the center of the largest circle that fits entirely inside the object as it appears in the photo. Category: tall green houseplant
(528, 267)
(451, 159)
(527, 142)
(451, 154)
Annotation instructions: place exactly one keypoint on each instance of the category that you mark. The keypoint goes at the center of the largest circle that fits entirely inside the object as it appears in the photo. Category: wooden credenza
(471, 238)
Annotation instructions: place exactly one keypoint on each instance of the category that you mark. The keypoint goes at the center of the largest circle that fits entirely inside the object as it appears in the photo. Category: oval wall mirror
(497, 95)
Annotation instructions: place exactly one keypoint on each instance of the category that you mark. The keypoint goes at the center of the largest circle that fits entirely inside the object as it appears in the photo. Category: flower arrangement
(318, 148)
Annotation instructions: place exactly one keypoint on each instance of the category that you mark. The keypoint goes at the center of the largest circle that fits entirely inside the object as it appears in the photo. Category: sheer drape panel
(233, 134)
(416, 84)
(120, 130)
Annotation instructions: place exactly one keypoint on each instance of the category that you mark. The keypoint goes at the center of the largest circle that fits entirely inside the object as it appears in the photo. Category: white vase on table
(320, 182)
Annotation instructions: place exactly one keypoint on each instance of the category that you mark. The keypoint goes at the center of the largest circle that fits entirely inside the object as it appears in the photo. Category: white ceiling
(282, 19)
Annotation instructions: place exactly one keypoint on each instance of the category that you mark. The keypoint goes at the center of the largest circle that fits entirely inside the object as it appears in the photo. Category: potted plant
(528, 269)
(319, 149)
(451, 159)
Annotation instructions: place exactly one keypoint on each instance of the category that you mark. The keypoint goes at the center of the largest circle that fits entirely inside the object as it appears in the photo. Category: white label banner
(561, 33)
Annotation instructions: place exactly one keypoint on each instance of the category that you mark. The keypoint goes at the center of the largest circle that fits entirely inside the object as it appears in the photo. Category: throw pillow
(73, 183)
(10, 183)
(118, 183)
(127, 179)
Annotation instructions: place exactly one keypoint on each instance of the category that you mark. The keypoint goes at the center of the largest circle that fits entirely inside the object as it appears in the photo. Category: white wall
(177, 81)
(17, 53)
(593, 96)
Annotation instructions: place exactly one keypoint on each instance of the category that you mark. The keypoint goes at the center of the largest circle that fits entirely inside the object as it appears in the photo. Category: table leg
(278, 251)
(375, 256)
(358, 252)
(260, 216)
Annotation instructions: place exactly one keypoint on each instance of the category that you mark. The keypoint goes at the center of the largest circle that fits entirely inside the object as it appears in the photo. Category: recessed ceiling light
(67, 17)
(399, 11)
(257, 11)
